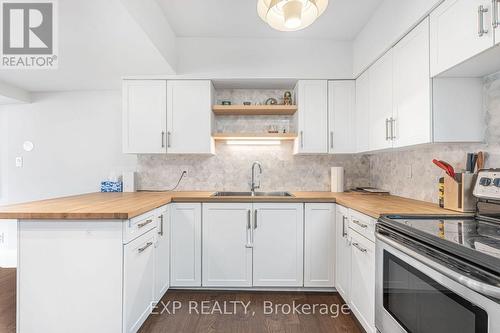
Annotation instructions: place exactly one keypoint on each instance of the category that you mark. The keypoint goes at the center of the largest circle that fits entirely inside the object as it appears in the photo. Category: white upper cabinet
(278, 244)
(144, 116)
(341, 117)
(189, 117)
(312, 117)
(460, 29)
(412, 88)
(362, 122)
(319, 247)
(381, 102)
(227, 248)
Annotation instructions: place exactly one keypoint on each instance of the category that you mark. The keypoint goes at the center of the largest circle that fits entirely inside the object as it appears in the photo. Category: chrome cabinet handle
(331, 139)
(161, 225)
(480, 20)
(393, 128)
(142, 249)
(145, 223)
(163, 139)
(249, 232)
(494, 8)
(301, 139)
(356, 245)
(362, 225)
(255, 220)
(344, 233)
(169, 141)
(387, 137)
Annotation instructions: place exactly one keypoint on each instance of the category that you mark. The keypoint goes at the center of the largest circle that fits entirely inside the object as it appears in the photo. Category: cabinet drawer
(139, 225)
(363, 224)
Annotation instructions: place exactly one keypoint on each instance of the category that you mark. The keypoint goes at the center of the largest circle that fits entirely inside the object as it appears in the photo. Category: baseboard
(250, 289)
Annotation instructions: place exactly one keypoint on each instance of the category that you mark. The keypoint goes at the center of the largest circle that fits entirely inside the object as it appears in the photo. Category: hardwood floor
(192, 315)
(7, 300)
(203, 311)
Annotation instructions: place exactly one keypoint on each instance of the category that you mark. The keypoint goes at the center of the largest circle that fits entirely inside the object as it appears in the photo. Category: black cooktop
(475, 239)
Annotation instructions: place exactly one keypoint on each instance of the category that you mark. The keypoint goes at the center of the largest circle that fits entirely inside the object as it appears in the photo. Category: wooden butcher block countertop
(128, 205)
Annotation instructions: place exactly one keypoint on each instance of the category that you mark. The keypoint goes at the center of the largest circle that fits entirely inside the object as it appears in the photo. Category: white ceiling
(99, 42)
(342, 20)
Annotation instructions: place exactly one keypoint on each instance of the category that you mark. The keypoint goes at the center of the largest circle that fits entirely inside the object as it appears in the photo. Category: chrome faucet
(253, 186)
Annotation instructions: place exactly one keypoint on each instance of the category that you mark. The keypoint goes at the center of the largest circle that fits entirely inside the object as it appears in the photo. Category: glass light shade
(292, 12)
(290, 15)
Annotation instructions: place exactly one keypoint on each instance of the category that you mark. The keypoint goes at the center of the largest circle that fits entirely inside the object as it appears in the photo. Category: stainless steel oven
(422, 289)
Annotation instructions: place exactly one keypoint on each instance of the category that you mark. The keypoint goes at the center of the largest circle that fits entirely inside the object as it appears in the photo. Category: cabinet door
(162, 253)
(453, 43)
(496, 20)
(185, 250)
(227, 251)
(362, 122)
(343, 254)
(363, 280)
(278, 231)
(319, 249)
(341, 113)
(144, 116)
(381, 102)
(138, 281)
(412, 88)
(189, 117)
(312, 102)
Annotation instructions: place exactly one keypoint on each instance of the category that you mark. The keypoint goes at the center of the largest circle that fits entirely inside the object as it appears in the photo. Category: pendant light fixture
(290, 15)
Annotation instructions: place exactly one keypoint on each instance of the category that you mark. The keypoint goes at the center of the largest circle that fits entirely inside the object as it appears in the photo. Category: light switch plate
(19, 162)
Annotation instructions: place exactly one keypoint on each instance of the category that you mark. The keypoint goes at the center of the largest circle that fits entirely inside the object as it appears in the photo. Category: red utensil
(446, 167)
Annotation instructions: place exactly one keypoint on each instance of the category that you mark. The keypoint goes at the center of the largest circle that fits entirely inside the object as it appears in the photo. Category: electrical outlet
(409, 171)
(186, 172)
(19, 162)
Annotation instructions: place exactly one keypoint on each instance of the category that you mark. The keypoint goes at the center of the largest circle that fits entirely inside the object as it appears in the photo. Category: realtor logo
(28, 34)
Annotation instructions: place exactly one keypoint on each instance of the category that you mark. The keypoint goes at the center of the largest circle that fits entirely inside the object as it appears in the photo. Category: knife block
(458, 194)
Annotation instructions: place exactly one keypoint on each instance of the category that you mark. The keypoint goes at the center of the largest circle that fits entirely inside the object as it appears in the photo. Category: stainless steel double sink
(252, 194)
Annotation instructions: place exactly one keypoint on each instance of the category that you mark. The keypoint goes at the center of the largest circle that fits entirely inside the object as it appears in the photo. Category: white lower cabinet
(278, 231)
(138, 280)
(227, 252)
(319, 247)
(185, 225)
(342, 253)
(362, 294)
(162, 253)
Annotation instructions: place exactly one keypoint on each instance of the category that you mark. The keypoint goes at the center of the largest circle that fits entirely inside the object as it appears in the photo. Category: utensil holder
(458, 193)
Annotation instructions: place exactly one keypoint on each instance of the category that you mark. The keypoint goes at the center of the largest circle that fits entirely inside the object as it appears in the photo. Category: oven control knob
(485, 181)
(496, 182)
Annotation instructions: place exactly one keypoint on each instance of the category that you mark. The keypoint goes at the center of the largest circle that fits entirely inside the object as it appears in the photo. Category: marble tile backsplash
(229, 169)
(390, 170)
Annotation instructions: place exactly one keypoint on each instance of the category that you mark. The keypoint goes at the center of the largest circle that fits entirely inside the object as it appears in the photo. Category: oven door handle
(478, 286)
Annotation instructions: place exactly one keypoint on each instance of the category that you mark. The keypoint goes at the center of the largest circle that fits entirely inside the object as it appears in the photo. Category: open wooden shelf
(254, 136)
(254, 110)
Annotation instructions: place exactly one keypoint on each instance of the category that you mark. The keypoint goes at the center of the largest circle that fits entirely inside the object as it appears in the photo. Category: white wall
(77, 139)
(390, 22)
(259, 57)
